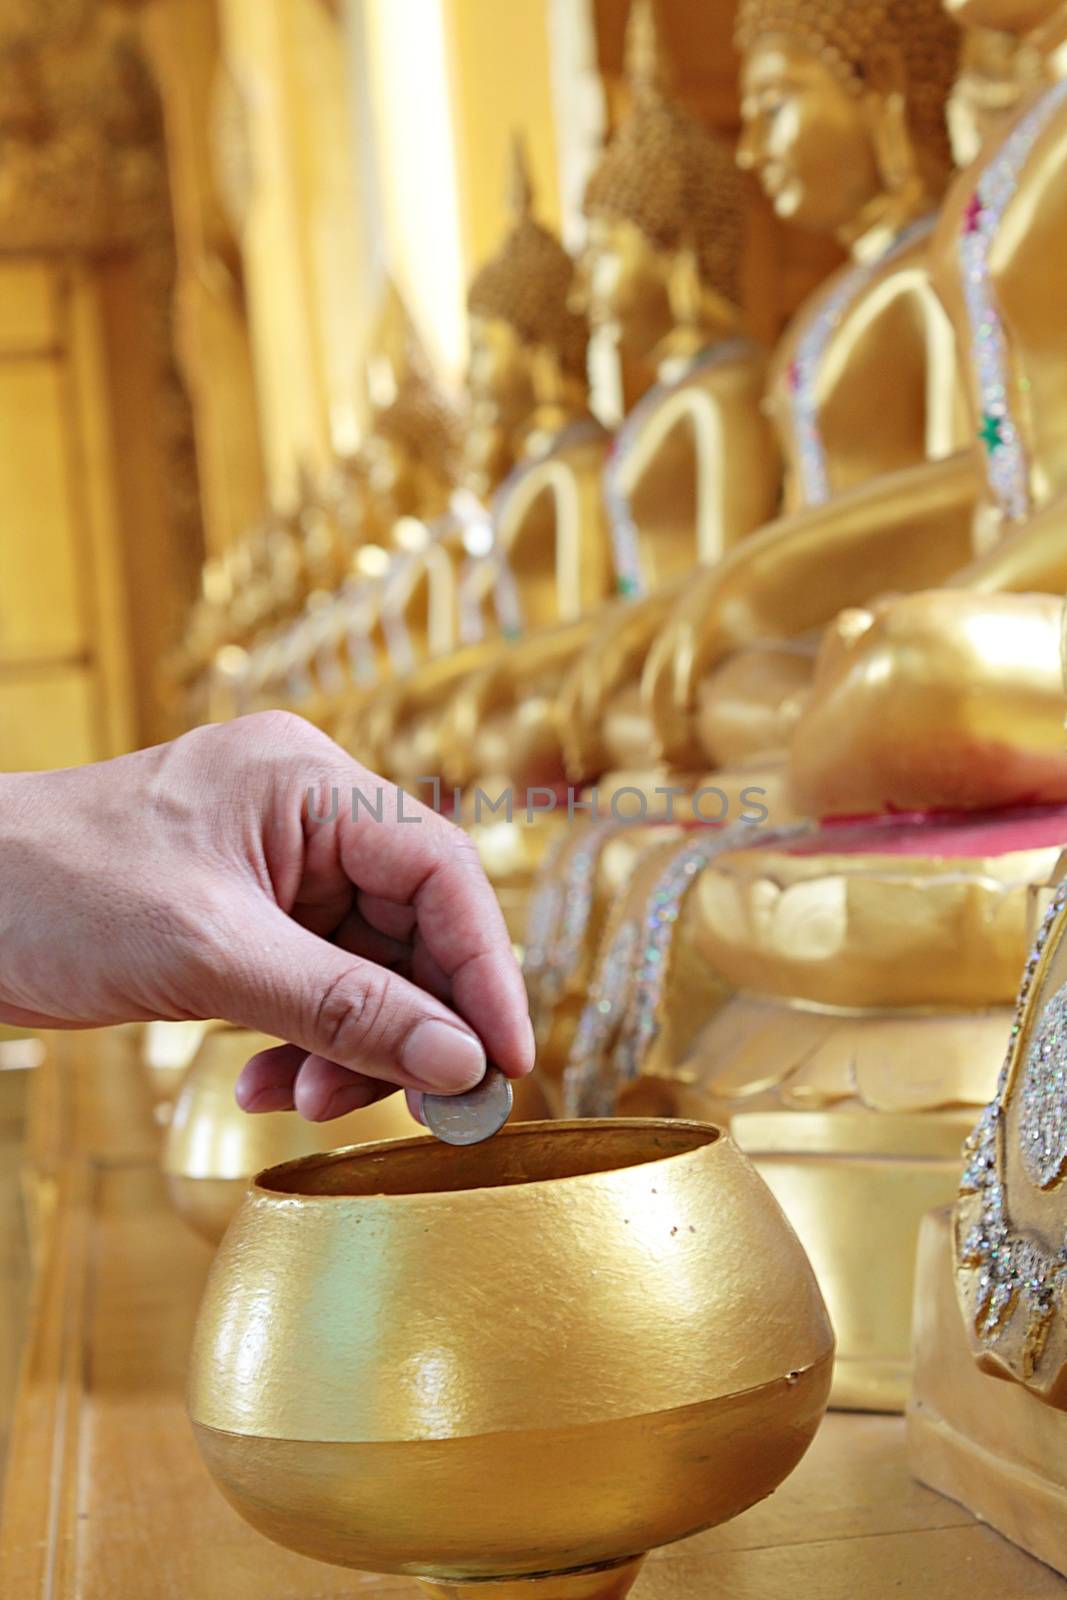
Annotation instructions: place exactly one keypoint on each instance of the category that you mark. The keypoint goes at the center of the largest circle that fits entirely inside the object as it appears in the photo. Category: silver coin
(469, 1118)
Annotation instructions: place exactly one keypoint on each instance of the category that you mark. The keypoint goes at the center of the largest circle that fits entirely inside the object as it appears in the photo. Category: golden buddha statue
(843, 121)
(659, 278)
(412, 452)
(994, 75)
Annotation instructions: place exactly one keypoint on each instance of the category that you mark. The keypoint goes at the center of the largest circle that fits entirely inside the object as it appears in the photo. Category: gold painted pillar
(288, 117)
(206, 161)
(501, 62)
(65, 691)
(442, 86)
(100, 539)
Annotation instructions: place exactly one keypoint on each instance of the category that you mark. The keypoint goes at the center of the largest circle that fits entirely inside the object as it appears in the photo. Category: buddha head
(1011, 16)
(843, 106)
(663, 203)
(411, 455)
(520, 320)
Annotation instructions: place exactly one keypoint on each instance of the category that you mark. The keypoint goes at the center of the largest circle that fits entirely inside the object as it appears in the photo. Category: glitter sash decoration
(1006, 465)
(1011, 1275)
(625, 537)
(821, 323)
(559, 916)
(505, 591)
(620, 1021)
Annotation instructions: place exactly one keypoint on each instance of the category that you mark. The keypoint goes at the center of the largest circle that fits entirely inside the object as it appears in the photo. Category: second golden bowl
(543, 1355)
(211, 1147)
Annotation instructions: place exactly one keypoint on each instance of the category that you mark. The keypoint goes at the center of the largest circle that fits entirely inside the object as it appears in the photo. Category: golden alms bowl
(541, 1355)
(211, 1147)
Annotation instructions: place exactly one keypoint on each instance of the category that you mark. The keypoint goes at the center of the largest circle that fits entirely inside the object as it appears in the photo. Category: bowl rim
(714, 1137)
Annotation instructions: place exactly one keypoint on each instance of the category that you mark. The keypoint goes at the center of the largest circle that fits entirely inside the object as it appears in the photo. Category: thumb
(344, 1009)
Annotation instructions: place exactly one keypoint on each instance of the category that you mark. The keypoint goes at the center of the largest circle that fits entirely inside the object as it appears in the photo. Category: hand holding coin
(471, 1117)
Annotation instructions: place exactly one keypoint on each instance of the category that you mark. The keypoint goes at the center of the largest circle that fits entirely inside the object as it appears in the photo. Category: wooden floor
(106, 1498)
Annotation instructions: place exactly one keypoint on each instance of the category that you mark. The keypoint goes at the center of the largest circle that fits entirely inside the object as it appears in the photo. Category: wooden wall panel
(49, 717)
(65, 669)
(40, 602)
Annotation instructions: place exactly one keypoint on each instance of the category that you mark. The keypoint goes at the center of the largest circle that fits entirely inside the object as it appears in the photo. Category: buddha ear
(684, 285)
(887, 101)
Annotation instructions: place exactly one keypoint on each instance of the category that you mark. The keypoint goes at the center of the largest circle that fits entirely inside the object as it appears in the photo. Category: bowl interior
(527, 1153)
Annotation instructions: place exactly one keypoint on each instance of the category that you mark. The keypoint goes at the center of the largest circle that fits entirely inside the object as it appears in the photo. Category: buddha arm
(496, 686)
(1030, 559)
(397, 701)
(612, 658)
(906, 530)
(744, 480)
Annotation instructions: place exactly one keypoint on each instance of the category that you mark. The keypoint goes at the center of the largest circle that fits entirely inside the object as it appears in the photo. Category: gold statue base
(854, 1176)
(987, 1444)
(856, 1187)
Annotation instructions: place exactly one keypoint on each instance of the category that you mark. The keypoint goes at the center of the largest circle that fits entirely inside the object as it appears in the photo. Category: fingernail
(443, 1059)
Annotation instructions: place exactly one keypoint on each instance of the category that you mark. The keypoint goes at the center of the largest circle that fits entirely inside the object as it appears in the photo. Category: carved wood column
(100, 540)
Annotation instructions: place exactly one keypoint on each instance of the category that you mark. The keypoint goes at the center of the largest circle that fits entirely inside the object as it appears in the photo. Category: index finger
(414, 857)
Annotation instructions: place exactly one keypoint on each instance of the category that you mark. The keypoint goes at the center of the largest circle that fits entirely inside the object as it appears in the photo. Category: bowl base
(601, 1583)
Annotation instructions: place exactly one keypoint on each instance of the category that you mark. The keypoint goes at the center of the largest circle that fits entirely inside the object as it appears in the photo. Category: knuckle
(463, 852)
(350, 1016)
(273, 735)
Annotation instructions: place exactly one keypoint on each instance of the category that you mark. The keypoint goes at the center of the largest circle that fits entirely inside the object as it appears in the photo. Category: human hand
(191, 880)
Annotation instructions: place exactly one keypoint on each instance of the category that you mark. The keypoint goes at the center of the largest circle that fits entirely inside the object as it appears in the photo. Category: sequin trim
(614, 1039)
(1007, 470)
(625, 535)
(559, 918)
(806, 367)
(507, 603)
(1014, 1275)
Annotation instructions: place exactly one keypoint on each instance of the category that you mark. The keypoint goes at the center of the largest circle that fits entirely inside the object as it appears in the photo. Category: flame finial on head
(409, 405)
(520, 183)
(648, 69)
(527, 282)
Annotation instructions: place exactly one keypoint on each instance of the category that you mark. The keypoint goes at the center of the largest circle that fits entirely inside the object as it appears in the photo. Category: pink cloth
(939, 833)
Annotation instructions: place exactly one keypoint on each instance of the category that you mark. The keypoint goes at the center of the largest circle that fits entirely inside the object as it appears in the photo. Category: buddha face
(1011, 16)
(622, 286)
(500, 388)
(806, 138)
